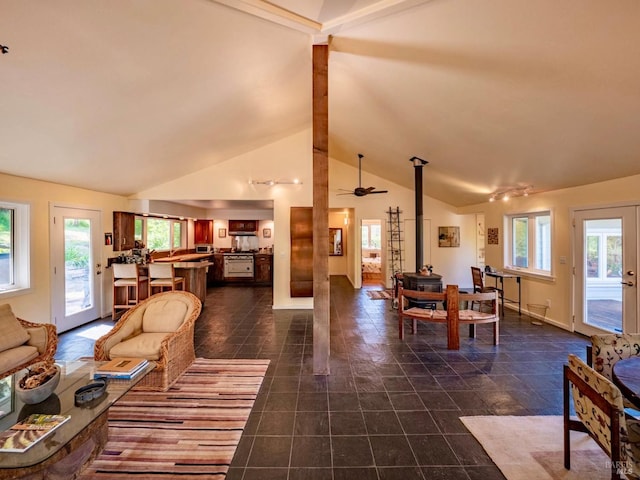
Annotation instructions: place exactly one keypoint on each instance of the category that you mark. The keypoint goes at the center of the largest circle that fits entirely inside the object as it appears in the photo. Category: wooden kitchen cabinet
(244, 226)
(203, 231)
(263, 268)
(216, 271)
(123, 230)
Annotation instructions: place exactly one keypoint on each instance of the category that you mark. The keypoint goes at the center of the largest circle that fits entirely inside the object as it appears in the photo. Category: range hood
(243, 234)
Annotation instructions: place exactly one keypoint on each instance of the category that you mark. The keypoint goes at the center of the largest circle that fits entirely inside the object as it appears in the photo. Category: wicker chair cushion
(16, 356)
(475, 315)
(164, 316)
(419, 312)
(13, 334)
(145, 345)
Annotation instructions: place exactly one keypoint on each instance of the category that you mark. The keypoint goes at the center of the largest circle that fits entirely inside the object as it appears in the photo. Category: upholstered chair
(598, 405)
(159, 329)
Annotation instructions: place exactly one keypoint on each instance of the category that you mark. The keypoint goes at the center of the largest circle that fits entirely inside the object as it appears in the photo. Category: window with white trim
(160, 233)
(14, 247)
(529, 242)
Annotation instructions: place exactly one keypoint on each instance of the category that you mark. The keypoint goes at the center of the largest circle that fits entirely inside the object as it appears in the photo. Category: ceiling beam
(273, 13)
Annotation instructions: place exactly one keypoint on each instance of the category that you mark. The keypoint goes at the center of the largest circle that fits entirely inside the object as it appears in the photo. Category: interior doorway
(371, 252)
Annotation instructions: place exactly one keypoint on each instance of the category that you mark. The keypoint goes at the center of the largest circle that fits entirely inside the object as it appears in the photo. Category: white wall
(558, 290)
(35, 305)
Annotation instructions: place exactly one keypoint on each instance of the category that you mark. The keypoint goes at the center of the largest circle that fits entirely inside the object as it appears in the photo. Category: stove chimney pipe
(418, 163)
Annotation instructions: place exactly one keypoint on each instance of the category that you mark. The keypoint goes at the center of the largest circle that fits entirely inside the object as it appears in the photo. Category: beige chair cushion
(16, 356)
(164, 316)
(475, 315)
(13, 334)
(145, 345)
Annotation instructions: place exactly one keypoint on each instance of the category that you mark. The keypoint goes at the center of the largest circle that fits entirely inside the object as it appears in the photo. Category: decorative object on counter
(222, 233)
(266, 233)
(39, 383)
(426, 270)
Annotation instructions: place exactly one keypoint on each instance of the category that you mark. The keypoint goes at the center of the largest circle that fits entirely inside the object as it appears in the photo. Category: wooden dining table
(626, 376)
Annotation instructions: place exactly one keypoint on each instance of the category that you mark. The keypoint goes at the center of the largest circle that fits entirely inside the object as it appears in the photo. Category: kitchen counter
(187, 257)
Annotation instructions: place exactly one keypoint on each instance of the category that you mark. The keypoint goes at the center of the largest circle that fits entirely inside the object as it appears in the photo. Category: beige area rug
(531, 448)
(380, 294)
(189, 432)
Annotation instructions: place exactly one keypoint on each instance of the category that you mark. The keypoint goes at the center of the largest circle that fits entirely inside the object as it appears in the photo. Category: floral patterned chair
(600, 411)
(606, 350)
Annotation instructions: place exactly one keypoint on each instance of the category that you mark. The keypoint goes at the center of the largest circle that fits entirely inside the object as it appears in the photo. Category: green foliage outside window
(158, 234)
(5, 230)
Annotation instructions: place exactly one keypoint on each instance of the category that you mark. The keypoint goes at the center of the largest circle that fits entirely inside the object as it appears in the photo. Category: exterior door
(75, 257)
(606, 265)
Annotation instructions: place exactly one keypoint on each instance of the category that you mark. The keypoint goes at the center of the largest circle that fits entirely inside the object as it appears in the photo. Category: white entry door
(75, 265)
(606, 266)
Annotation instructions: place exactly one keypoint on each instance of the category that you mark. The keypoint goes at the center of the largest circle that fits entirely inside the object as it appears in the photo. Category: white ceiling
(119, 95)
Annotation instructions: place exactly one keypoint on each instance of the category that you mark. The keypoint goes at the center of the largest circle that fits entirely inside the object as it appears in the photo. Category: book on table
(125, 368)
(30, 431)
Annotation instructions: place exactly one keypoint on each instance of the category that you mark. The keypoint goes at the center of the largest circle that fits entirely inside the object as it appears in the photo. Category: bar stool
(127, 287)
(163, 275)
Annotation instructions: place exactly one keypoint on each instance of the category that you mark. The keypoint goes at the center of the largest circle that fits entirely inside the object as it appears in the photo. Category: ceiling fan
(360, 191)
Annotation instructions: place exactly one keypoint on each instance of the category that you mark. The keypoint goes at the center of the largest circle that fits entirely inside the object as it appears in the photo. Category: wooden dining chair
(128, 287)
(478, 284)
(598, 405)
(163, 276)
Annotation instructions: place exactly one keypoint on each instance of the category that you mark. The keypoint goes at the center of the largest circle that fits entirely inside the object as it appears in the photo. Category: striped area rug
(191, 431)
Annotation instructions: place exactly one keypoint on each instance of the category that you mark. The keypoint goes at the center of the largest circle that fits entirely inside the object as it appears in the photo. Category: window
(529, 242)
(14, 247)
(159, 233)
(371, 236)
(604, 250)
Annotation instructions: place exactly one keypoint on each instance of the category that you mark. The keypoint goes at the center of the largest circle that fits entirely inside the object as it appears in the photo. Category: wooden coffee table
(78, 441)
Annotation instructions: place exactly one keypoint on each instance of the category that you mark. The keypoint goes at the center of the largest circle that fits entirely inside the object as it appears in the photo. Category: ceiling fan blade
(379, 191)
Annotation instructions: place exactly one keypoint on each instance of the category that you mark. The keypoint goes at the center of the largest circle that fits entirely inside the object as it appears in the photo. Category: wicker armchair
(159, 329)
(38, 344)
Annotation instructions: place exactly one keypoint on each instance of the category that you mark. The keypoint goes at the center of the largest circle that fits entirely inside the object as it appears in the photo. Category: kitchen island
(195, 277)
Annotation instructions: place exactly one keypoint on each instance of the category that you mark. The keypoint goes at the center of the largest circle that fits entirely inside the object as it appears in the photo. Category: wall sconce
(505, 195)
(295, 181)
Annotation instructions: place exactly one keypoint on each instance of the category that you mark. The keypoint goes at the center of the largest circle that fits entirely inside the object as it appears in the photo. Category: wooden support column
(453, 316)
(321, 346)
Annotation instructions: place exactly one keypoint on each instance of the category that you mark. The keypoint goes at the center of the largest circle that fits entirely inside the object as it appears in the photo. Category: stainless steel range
(238, 265)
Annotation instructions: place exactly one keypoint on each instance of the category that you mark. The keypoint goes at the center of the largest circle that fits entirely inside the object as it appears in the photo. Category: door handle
(630, 284)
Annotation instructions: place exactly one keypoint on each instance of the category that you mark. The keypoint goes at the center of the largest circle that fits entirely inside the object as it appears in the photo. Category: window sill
(529, 274)
(14, 292)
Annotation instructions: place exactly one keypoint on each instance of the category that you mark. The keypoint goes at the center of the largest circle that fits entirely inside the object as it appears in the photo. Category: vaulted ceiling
(120, 95)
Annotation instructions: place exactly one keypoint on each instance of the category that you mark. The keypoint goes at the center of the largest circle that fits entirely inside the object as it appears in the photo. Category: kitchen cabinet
(263, 268)
(216, 271)
(123, 230)
(243, 226)
(203, 231)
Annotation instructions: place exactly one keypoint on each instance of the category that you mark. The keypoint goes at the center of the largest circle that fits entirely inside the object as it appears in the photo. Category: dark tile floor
(390, 409)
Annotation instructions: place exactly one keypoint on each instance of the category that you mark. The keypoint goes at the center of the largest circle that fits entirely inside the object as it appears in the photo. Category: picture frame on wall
(222, 232)
(266, 233)
(448, 236)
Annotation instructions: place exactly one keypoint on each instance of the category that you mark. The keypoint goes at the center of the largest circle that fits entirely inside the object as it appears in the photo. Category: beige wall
(561, 203)
(35, 305)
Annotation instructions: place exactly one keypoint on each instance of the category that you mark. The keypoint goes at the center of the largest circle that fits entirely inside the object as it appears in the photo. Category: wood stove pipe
(418, 163)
